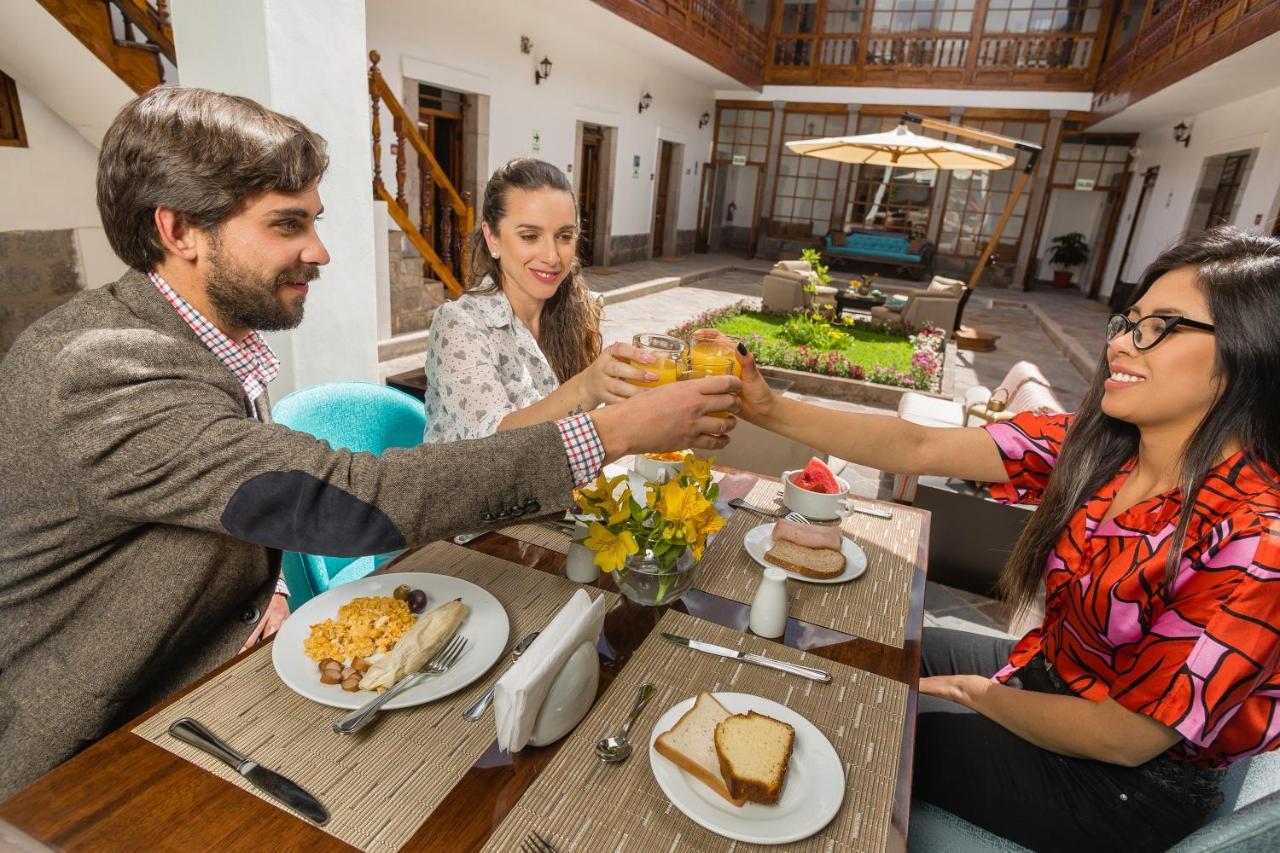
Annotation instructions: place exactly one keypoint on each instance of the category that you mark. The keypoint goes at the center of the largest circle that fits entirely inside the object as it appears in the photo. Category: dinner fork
(438, 665)
(797, 518)
(535, 843)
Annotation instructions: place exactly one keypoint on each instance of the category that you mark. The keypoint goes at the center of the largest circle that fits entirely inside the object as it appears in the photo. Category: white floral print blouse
(482, 365)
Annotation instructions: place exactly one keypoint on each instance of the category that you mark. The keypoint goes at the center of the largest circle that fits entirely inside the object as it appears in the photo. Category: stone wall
(39, 270)
(685, 241)
(414, 297)
(627, 248)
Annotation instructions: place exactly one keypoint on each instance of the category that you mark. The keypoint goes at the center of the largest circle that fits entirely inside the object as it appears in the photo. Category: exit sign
(739, 159)
(1084, 184)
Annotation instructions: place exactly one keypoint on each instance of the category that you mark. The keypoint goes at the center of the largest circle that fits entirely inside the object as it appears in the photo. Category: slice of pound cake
(754, 751)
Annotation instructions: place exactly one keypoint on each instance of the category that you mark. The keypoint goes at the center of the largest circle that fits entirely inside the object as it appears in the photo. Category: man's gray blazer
(143, 507)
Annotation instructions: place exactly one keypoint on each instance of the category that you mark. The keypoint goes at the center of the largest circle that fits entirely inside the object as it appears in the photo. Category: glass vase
(643, 580)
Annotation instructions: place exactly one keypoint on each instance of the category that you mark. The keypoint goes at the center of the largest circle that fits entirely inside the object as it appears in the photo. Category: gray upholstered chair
(937, 306)
(1248, 821)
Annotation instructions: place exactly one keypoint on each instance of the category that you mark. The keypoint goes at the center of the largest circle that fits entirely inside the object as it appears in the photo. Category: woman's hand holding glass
(619, 372)
(756, 396)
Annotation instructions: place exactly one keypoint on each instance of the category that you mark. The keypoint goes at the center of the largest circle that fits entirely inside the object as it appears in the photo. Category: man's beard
(245, 298)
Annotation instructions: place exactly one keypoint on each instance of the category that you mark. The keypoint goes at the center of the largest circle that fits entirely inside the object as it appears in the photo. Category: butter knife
(750, 657)
(269, 782)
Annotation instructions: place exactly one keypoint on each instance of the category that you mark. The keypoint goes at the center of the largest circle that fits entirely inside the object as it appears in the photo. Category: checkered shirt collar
(251, 362)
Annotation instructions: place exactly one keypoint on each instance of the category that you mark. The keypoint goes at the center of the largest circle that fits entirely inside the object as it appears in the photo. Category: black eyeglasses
(1149, 331)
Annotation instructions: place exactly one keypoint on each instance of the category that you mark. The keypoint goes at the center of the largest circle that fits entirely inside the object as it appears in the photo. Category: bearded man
(146, 495)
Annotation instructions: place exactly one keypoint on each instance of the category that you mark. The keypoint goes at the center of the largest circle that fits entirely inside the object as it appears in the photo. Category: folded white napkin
(518, 695)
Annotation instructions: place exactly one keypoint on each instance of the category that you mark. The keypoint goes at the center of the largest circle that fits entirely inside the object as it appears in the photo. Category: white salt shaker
(580, 564)
(769, 607)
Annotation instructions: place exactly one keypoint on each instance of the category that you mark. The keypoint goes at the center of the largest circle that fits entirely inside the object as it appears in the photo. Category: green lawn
(863, 347)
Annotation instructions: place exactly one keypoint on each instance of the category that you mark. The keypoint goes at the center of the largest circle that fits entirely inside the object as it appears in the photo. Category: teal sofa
(913, 257)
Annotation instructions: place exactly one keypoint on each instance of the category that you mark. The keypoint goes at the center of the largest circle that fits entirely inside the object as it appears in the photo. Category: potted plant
(1069, 250)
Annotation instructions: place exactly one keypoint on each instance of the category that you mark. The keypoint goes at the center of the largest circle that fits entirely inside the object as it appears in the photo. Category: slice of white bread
(690, 744)
(821, 563)
(754, 751)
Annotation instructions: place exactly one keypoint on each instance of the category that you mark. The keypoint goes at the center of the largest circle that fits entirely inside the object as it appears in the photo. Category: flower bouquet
(651, 543)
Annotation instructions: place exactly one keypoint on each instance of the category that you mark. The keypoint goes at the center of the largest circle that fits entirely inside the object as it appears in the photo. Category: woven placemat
(580, 804)
(536, 534)
(382, 784)
(874, 606)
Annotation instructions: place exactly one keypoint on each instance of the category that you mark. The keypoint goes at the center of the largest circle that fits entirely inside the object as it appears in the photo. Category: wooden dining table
(126, 793)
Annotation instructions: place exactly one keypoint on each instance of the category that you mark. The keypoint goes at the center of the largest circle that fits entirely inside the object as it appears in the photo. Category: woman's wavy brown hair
(570, 328)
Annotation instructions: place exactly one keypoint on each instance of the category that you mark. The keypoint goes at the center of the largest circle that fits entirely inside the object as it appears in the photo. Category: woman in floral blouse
(522, 344)
(1157, 545)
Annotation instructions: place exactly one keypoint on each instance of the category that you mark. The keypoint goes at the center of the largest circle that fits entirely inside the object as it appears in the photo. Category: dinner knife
(750, 657)
(268, 781)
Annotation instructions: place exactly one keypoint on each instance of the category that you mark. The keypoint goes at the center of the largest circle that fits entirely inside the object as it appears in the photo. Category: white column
(307, 60)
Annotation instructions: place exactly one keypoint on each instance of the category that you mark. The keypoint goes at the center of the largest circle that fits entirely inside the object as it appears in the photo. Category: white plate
(811, 795)
(760, 539)
(486, 630)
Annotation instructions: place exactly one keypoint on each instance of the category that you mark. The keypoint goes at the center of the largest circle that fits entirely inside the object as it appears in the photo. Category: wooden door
(660, 202)
(702, 240)
(589, 193)
(440, 121)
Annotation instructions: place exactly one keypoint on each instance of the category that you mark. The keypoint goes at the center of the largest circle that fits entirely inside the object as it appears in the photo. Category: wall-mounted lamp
(704, 120)
(539, 76)
(646, 100)
(526, 44)
(1182, 133)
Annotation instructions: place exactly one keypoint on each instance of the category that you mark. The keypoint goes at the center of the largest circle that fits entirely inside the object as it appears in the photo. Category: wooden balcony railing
(715, 31)
(458, 214)
(1179, 40)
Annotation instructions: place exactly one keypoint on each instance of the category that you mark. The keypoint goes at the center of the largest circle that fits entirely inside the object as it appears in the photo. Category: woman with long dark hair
(1157, 545)
(522, 344)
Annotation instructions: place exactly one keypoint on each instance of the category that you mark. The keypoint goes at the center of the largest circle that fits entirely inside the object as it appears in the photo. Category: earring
(495, 257)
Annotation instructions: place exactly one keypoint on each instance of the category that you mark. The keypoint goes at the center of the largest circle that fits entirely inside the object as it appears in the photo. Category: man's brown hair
(200, 153)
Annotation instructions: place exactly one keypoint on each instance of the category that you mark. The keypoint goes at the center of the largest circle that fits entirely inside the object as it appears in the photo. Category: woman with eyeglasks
(1157, 545)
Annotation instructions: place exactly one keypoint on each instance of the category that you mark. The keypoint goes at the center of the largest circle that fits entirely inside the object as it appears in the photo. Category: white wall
(1072, 210)
(474, 47)
(1252, 122)
(50, 185)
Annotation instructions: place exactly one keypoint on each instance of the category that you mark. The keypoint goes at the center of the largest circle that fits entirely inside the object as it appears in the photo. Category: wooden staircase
(129, 36)
(459, 215)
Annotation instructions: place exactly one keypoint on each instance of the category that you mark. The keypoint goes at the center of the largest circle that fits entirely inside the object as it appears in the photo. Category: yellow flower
(611, 549)
(698, 469)
(679, 503)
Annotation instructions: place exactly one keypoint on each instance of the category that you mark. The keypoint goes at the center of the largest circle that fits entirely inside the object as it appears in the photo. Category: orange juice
(665, 367)
(706, 351)
(709, 365)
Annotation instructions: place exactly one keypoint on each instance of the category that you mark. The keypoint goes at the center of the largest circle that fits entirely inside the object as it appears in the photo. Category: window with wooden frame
(805, 192)
(842, 32)
(797, 27)
(922, 16)
(743, 133)
(12, 131)
(1091, 162)
(888, 199)
(1043, 16)
(976, 198)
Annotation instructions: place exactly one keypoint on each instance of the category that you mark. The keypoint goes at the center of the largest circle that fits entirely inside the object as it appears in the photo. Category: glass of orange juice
(708, 346)
(708, 365)
(668, 352)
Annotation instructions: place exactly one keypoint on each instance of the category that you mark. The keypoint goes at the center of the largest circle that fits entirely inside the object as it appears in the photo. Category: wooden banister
(459, 219)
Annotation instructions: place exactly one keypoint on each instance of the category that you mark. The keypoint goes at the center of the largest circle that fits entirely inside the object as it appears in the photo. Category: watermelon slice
(816, 477)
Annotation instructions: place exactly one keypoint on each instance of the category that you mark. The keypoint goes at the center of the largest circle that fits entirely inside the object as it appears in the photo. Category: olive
(402, 592)
(417, 601)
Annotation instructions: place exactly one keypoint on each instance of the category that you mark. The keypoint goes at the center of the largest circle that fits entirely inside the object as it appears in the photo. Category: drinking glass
(668, 352)
(707, 346)
(708, 365)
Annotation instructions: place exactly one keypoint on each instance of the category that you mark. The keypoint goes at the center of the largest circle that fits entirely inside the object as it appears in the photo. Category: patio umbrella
(901, 149)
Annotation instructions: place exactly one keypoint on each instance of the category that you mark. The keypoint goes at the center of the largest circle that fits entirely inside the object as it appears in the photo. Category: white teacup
(816, 505)
(656, 471)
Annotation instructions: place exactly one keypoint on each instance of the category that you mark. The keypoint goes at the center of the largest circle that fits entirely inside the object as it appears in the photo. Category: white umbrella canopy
(901, 149)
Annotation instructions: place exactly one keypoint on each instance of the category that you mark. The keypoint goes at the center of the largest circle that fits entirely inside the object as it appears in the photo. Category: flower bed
(847, 348)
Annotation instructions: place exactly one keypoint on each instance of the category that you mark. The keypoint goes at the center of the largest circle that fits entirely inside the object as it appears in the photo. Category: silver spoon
(739, 503)
(477, 710)
(616, 749)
